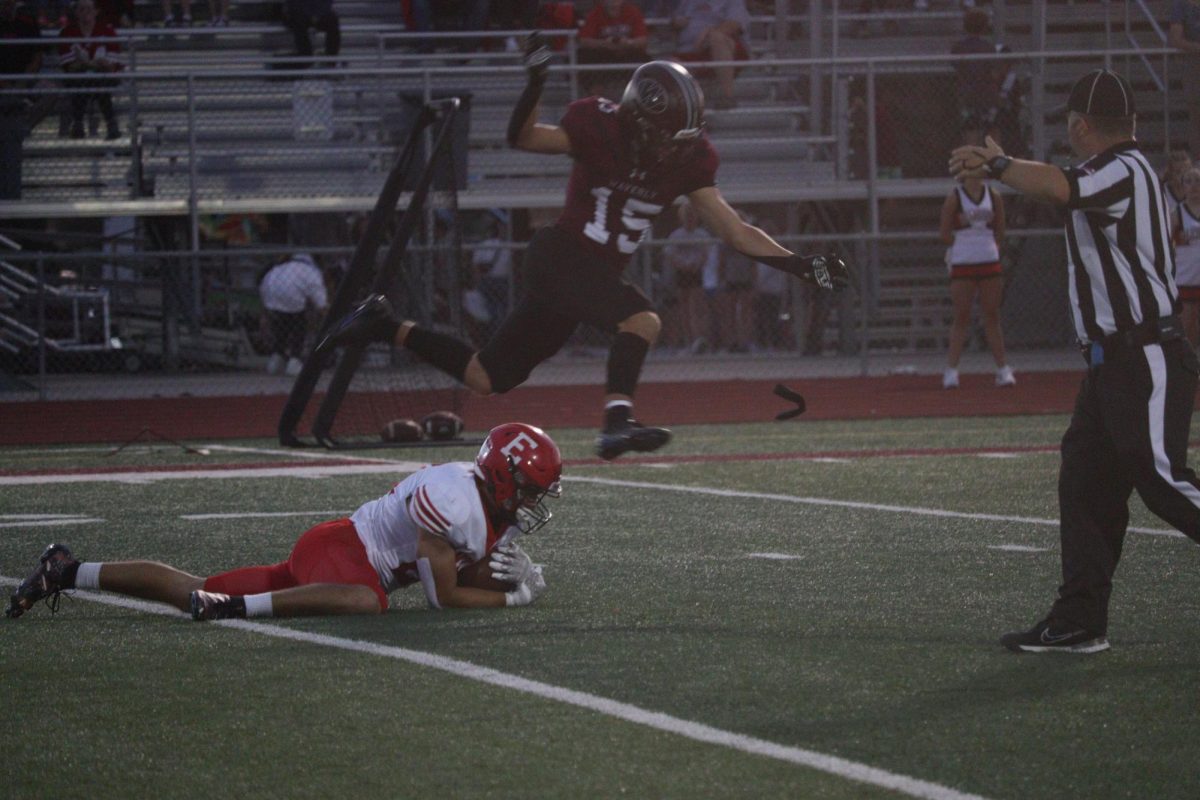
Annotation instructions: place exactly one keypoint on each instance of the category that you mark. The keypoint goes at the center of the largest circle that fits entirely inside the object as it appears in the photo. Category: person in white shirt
(428, 529)
(291, 291)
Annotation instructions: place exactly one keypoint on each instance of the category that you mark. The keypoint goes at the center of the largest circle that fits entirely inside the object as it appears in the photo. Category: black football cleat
(621, 436)
(214, 605)
(55, 573)
(1049, 636)
(374, 320)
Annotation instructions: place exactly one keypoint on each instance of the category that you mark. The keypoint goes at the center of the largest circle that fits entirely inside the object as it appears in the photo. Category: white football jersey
(441, 499)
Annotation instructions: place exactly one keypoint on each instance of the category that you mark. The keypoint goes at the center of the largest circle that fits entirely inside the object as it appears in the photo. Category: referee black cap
(1102, 93)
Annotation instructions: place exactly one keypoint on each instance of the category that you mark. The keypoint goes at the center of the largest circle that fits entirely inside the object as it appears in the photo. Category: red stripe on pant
(327, 553)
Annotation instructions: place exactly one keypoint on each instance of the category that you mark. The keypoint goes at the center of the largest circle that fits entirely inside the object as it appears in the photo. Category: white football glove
(529, 589)
(510, 564)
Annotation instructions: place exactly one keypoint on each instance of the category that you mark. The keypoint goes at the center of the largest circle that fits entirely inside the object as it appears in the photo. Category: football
(479, 576)
(401, 430)
(441, 426)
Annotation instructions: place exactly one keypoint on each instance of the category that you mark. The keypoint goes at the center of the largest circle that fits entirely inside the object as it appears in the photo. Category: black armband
(525, 106)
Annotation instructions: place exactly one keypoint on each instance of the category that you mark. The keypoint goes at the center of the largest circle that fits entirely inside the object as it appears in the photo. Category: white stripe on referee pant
(1157, 410)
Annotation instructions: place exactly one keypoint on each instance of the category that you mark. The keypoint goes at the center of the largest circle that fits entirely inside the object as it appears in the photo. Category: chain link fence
(222, 176)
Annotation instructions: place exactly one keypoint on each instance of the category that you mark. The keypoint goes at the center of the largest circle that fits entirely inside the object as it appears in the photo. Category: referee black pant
(1129, 431)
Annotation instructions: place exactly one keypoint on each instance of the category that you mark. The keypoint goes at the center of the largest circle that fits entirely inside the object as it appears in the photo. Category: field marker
(697, 731)
(998, 455)
(854, 504)
(774, 556)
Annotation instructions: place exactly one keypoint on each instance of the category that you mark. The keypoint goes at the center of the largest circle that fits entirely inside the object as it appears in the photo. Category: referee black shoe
(622, 435)
(374, 320)
(1049, 636)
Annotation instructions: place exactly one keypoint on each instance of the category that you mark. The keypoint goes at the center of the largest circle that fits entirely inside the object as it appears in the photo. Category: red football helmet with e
(520, 467)
(661, 111)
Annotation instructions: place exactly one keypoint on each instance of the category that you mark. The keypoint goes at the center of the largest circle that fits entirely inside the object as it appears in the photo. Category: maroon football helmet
(520, 467)
(662, 111)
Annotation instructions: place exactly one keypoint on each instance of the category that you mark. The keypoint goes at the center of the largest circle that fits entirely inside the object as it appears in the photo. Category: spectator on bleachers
(423, 16)
(688, 260)
(1005, 126)
(1185, 230)
(16, 22)
(169, 18)
(493, 264)
(513, 15)
(101, 55)
(1178, 163)
(713, 30)
(219, 11)
(614, 32)
(735, 299)
(303, 15)
(1183, 33)
(117, 13)
(292, 292)
(976, 85)
(772, 328)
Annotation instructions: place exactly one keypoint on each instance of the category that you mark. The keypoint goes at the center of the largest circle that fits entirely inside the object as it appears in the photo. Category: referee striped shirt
(1122, 265)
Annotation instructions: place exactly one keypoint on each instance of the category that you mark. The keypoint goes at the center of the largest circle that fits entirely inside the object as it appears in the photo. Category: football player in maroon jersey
(632, 160)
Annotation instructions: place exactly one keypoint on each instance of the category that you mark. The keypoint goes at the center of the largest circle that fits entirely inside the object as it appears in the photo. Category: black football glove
(535, 52)
(828, 271)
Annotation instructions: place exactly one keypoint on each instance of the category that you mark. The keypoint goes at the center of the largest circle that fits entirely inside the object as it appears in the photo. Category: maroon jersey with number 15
(610, 202)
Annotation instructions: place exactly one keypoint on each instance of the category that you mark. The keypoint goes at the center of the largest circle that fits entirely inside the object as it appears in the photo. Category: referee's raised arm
(1130, 426)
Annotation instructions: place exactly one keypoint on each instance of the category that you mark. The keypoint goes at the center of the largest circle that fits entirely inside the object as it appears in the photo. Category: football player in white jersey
(425, 530)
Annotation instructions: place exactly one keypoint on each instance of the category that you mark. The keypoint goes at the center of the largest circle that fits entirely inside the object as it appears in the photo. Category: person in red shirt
(102, 54)
(613, 33)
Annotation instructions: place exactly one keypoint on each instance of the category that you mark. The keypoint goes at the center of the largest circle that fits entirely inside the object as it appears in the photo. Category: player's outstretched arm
(826, 271)
(524, 131)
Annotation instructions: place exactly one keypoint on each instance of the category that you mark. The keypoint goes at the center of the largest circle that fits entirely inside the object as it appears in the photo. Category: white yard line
(825, 501)
(267, 514)
(298, 453)
(148, 476)
(1018, 548)
(46, 523)
(843, 768)
(774, 556)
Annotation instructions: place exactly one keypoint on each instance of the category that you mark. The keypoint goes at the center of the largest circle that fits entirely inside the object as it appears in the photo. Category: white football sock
(88, 575)
(259, 605)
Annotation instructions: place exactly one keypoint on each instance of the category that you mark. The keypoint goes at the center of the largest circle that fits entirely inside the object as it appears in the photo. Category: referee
(1130, 425)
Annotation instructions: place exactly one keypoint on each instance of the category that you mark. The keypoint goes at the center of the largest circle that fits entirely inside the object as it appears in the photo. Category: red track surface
(194, 418)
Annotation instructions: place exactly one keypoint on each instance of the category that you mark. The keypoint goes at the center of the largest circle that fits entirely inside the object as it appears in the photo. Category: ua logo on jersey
(521, 441)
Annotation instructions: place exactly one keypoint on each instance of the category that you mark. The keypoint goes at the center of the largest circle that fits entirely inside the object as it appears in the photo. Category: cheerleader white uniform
(1187, 256)
(974, 254)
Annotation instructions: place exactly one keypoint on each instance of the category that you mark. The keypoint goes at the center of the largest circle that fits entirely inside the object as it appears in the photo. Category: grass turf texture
(878, 644)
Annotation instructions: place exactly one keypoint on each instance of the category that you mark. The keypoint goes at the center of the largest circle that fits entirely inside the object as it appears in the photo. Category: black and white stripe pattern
(1122, 265)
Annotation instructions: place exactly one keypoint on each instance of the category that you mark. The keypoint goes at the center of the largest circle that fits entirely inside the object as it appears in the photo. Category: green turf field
(790, 609)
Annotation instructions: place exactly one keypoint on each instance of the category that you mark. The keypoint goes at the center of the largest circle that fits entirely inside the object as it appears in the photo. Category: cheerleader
(1178, 162)
(1186, 232)
(973, 225)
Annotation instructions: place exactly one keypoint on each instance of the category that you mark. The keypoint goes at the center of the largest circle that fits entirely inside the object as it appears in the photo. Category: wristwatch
(996, 165)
